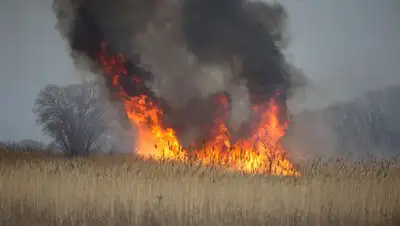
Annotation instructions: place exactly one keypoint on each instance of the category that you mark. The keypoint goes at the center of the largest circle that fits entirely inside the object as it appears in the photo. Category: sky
(345, 47)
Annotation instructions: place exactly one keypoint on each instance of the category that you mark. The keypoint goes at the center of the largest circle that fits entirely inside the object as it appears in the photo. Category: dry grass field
(44, 190)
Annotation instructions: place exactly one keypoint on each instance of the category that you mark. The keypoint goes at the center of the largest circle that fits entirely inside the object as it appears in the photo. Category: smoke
(185, 52)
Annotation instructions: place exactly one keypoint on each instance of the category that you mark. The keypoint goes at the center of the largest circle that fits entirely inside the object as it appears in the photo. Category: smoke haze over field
(344, 47)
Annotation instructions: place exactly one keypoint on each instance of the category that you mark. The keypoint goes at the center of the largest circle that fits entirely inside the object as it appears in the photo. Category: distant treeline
(369, 124)
(28, 145)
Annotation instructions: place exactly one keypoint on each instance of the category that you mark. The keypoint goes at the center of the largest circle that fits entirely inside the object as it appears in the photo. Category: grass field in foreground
(40, 190)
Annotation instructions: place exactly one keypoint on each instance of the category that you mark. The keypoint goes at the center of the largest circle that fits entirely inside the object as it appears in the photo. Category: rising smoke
(185, 52)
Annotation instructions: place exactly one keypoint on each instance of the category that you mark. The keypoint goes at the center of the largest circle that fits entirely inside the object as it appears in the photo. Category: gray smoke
(186, 52)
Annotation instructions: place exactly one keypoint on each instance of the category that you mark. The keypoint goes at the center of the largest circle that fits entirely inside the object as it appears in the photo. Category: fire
(260, 153)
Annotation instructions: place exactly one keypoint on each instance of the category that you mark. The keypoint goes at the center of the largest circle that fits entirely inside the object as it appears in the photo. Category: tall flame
(260, 153)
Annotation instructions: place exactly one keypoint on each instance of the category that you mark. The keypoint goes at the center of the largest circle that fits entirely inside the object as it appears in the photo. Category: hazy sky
(344, 46)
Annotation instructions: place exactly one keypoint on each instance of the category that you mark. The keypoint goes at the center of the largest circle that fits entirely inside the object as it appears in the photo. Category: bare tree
(73, 115)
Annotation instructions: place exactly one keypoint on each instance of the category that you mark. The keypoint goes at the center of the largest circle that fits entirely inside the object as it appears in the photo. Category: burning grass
(247, 155)
(158, 141)
(123, 190)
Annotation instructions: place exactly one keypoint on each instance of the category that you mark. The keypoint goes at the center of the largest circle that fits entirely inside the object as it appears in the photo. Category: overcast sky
(344, 46)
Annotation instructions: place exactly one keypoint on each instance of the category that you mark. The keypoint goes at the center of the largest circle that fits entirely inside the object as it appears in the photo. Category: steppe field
(39, 189)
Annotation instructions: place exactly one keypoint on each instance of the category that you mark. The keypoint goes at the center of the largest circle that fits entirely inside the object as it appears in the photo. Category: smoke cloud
(185, 52)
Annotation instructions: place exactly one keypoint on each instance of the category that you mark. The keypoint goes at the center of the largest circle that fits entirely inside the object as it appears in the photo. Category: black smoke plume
(185, 52)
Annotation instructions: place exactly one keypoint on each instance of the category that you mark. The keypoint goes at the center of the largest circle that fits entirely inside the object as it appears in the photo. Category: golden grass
(122, 190)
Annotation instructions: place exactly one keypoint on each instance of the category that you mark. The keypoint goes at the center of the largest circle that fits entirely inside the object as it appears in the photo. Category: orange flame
(260, 153)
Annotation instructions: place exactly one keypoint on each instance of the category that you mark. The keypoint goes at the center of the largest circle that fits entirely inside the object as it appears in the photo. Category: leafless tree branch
(73, 115)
